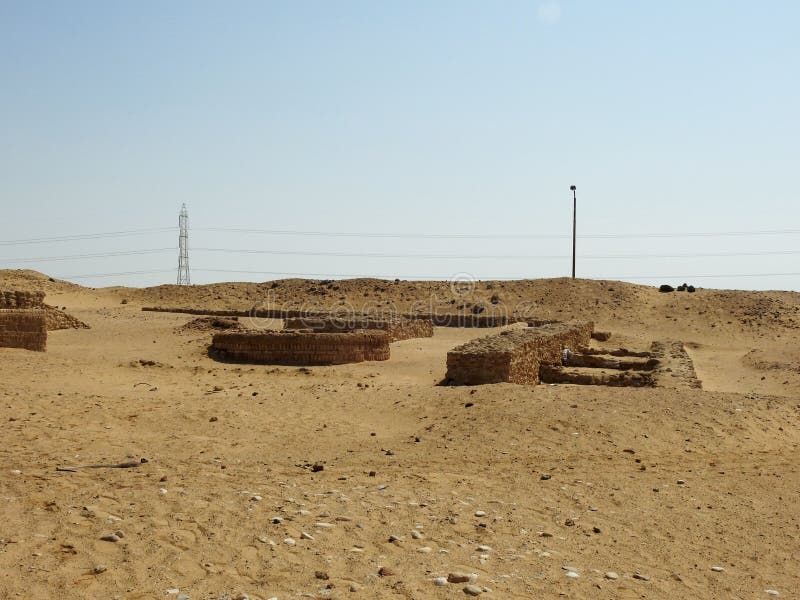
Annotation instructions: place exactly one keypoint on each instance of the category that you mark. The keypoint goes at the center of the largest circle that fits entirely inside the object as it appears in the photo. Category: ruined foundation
(23, 328)
(300, 348)
(515, 355)
(398, 329)
(15, 299)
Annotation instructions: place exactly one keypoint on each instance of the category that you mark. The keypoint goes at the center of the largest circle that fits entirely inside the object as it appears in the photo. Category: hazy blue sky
(448, 117)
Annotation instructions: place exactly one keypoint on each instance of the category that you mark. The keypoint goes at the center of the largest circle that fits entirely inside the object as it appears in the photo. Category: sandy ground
(453, 476)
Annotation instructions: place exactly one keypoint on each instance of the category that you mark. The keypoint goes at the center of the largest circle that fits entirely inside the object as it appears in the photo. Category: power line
(499, 236)
(85, 236)
(96, 255)
(114, 234)
(495, 256)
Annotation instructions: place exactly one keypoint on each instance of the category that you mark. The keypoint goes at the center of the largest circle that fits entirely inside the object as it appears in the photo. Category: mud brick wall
(300, 348)
(397, 329)
(514, 356)
(25, 329)
(11, 299)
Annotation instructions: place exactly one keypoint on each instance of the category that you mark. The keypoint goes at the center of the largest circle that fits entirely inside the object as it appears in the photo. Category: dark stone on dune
(666, 288)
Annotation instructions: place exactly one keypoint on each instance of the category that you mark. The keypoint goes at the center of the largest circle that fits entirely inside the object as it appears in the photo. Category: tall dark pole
(574, 224)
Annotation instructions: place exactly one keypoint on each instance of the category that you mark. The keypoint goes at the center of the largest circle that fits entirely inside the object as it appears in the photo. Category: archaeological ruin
(300, 347)
(397, 328)
(514, 355)
(23, 328)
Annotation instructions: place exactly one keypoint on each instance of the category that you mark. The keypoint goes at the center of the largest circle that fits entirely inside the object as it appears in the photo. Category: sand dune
(512, 483)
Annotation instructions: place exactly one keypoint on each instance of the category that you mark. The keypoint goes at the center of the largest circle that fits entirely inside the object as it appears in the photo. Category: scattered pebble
(306, 536)
(385, 572)
(611, 575)
(425, 550)
(416, 534)
(483, 548)
(641, 577)
(98, 569)
(289, 541)
(718, 569)
(440, 581)
(472, 590)
(772, 592)
(480, 513)
(572, 574)
(112, 537)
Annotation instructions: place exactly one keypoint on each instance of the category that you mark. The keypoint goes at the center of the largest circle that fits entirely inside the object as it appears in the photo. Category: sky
(441, 136)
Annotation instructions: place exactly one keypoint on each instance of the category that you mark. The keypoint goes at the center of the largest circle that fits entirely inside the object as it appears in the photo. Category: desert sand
(370, 480)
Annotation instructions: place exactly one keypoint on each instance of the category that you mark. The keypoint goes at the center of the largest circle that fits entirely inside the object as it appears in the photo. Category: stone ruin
(514, 355)
(318, 340)
(55, 319)
(300, 347)
(534, 355)
(397, 328)
(23, 321)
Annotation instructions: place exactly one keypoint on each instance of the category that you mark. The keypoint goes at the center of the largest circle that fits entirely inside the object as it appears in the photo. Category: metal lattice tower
(183, 247)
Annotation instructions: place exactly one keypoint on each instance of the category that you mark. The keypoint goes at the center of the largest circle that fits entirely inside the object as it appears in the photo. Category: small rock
(480, 513)
(385, 572)
(98, 569)
(641, 577)
(546, 477)
(277, 520)
(611, 575)
(317, 467)
(289, 541)
(483, 548)
(718, 569)
(416, 534)
(572, 574)
(440, 581)
(458, 578)
(772, 592)
(256, 498)
(306, 536)
(681, 482)
(472, 590)
(112, 537)
(545, 534)
(425, 550)
(321, 575)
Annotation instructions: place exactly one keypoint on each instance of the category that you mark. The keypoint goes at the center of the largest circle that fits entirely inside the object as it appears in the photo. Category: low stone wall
(25, 328)
(437, 319)
(515, 355)
(397, 329)
(300, 348)
(14, 299)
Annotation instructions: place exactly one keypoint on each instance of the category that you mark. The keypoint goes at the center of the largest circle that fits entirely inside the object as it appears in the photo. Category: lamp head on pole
(573, 188)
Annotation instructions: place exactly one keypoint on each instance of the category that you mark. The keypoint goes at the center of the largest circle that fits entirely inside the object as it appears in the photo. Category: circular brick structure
(300, 348)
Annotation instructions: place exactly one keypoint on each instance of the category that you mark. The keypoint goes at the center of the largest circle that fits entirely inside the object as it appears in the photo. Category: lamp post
(574, 224)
